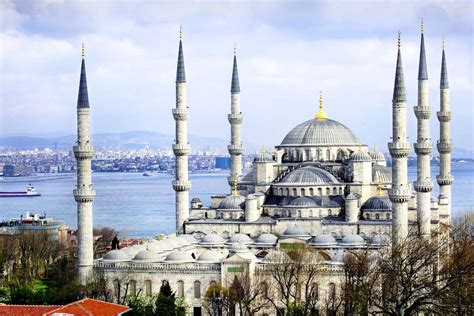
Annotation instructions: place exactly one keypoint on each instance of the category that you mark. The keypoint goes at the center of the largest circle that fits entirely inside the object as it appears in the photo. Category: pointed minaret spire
(444, 84)
(235, 87)
(422, 71)
(83, 97)
(180, 73)
(399, 89)
(235, 119)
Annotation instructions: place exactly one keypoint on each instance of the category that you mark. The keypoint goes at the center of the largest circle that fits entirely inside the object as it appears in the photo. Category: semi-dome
(303, 201)
(377, 203)
(241, 238)
(232, 202)
(376, 155)
(179, 256)
(324, 240)
(210, 256)
(380, 239)
(116, 256)
(266, 239)
(147, 256)
(317, 132)
(296, 231)
(212, 240)
(352, 240)
(361, 156)
(309, 175)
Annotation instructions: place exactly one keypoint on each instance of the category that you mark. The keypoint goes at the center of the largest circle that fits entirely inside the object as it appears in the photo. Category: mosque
(321, 187)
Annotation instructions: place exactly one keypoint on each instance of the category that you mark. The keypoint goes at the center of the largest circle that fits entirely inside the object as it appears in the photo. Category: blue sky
(287, 53)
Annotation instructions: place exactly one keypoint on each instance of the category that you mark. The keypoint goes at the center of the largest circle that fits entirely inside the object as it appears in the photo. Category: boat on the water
(30, 192)
(147, 174)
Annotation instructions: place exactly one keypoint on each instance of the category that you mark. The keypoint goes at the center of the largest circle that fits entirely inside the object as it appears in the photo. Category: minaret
(423, 147)
(399, 148)
(181, 148)
(84, 193)
(445, 179)
(235, 119)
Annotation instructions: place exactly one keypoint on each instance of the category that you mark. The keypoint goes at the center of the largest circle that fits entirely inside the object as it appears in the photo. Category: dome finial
(235, 48)
(264, 151)
(83, 53)
(399, 40)
(321, 114)
(442, 43)
(379, 186)
(234, 189)
(180, 32)
(422, 27)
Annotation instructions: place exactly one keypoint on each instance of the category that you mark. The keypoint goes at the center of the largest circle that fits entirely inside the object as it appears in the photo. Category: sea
(143, 207)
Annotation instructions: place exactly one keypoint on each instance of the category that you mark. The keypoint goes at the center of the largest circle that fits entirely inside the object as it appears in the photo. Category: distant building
(223, 163)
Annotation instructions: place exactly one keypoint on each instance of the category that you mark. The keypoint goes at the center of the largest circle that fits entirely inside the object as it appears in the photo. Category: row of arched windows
(147, 288)
(377, 216)
(308, 191)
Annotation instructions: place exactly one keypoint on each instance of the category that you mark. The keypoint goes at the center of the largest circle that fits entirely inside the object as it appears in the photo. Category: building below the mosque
(320, 188)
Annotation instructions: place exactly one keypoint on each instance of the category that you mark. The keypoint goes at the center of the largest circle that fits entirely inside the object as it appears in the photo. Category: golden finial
(399, 41)
(422, 28)
(264, 151)
(379, 187)
(180, 32)
(321, 114)
(83, 54)
(234, 189)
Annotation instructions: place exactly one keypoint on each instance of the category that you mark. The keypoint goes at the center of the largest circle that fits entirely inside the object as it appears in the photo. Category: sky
(288, 51)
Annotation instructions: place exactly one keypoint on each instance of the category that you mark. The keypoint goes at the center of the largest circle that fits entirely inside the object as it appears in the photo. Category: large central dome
(317, 132)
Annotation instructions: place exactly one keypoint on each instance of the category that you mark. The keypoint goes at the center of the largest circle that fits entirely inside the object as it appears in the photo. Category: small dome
(303, 201)
(116, 256)
(296, 231)
(241, 238)
(377, 203)
(376, 155)
(130, 251)
(232, 202)
(157, 246)
(196, 200)
(147, 256)
(212, 239)
(353, 196)
(190, 239)
(324, 240)
(352, 240)
(309, 175)
(263, 157)
(266, 239)
(242, 250)
(380, 239)
(360, 156)
(179, 256)
(210, 256)
(276, 256)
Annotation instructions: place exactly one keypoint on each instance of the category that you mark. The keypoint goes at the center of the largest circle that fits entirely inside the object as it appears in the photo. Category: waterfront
(144, 206)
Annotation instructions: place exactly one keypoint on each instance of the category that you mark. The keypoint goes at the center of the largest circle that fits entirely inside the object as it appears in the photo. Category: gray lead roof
(235, 87)
(422, 71)
(83, 98)
(180, 74)
(444, 73)
(399, 88)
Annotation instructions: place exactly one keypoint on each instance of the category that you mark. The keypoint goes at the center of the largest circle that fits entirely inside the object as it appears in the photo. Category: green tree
(165, 303)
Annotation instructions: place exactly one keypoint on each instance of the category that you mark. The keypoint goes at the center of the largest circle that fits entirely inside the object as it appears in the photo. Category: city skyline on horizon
(276, 79)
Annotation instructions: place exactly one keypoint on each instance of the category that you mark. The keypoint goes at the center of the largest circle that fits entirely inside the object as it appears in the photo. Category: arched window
(148, 287)
(117, 289)
(334, 191)
(330, 212)
(328, 191)
(299, 213)
(377, 216)
(133, 287)
(288, 192)
(295, 192)
(320, 191)
(388, 215)
(303, 192)
(180, 291)
(315, 291)
(340, 191)
(328, 154)
(197, 289)
(332, 291)
(311, 191)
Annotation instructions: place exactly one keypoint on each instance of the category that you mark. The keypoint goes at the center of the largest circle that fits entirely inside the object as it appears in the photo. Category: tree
(165, 303)
(248, 293)
(217, 301)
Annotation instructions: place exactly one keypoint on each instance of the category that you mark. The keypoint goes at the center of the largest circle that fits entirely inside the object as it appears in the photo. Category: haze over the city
(286, 52)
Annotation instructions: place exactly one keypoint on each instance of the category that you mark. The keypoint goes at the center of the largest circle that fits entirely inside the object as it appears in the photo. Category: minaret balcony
(423, 148)
(399, 195)
(444, 148)
(83, 152)
(423, 186)
(422, 112)
(444, 116)
(235, 118)
(445, 180)
(235, 149)
(181, 149)
(84, 194)
(399, 149)
(180, 114)
(181, 185)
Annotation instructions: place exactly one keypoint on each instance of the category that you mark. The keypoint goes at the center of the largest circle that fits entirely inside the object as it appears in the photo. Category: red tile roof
(88, 307)
(25, 310)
